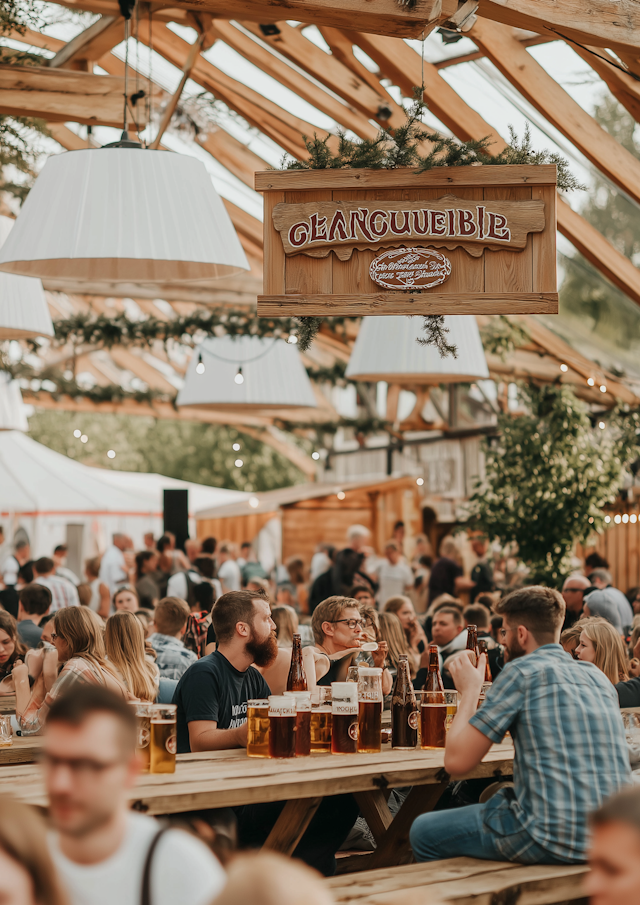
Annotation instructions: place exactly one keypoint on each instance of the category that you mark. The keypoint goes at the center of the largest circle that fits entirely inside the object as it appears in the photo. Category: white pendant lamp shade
(127, 217)
(246, 373)
(12, 411)
(386, 349)
(23, 307)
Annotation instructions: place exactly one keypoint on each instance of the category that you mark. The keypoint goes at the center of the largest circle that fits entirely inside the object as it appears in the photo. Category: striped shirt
(63, 593)
(570, 751)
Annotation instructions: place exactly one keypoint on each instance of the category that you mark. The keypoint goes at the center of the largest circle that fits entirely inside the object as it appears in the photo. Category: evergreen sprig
(520, 151)
(436, 335)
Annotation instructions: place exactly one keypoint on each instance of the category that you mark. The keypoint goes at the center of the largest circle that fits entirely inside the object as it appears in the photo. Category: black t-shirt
(443, 577)
(482, 574)
(213, 689)
(629, 692)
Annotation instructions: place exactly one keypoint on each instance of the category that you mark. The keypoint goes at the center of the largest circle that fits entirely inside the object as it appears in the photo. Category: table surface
(22, 751)
(228, 778)
(7, 703)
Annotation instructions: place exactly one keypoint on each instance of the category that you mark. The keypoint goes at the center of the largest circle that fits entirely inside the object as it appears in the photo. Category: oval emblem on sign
(410, 268)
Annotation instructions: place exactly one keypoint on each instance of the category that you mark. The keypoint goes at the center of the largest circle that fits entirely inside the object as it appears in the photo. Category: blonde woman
(78, 638)
(124, 641)
(27, 872)
(286, 620)
(600, 643)
(392, 632)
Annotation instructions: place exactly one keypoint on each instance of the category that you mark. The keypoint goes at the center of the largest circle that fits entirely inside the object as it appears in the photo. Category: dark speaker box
(176, 515)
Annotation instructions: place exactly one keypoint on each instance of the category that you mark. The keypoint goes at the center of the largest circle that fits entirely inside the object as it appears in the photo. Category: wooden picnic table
(228, 778)
(22, 751)
(7, 703)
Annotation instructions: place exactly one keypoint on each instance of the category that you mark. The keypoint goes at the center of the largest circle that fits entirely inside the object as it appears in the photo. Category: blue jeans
(461, 832)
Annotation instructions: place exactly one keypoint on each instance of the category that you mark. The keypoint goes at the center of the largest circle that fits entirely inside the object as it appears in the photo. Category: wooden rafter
(91, 44)
(624, 88)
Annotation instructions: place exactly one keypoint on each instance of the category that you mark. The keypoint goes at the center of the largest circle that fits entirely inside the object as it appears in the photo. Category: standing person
(350, 561)
(228, 569)
(27, 873)
(601, 579)
(212, 716)
(447, 576)
(394, 575)
(614, 853)
(11, 566)
(399, 533)
(173, 658)
(100, 847)
(149, 541)
(601, 644)
(482, 572)
(321, 560)
(113, 565)
(146, 585)
(11, 646)
(550, 704)
(295, 568)
(63, 593)
(35, 602)
(60, 554)
(594, 561)
(573, 595)
(78, 637)
(100, 601)
(124, 643)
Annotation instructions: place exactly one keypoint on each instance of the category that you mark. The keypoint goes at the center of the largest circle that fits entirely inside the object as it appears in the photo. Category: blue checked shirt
(570, 751)
(173, 658)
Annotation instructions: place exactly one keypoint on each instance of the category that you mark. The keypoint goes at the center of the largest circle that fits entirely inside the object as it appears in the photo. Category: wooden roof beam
(624, 88)
(558, 107)
(91, 44)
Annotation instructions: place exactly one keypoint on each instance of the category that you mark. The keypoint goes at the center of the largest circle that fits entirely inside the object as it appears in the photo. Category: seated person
(34, 602)
(212, 698)
(614, 854)
(449, 633)
(172, 657)
(570, 747)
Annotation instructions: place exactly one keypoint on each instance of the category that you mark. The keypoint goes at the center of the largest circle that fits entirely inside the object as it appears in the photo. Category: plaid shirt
(63, 593)
(570, 751)
(173, 658)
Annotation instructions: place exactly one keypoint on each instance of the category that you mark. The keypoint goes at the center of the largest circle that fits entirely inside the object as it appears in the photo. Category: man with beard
(102, 849)
(212, 715)
(570, 748)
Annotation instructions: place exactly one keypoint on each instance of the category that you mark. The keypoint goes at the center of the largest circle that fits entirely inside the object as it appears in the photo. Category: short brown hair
(621, 808)
(232, 608)
(330, 610)
(171, 615)
(35, 598)
(541, 610)
(477, 614)
(453, 611)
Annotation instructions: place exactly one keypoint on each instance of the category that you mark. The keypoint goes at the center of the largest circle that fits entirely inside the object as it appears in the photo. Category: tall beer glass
(143, 736)
(258, 728)
(344, 718)
(369, 710)
(163, 738)
(282, 726)
(303, 721)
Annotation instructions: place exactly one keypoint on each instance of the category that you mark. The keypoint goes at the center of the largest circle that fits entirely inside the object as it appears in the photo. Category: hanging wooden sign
(452, 240)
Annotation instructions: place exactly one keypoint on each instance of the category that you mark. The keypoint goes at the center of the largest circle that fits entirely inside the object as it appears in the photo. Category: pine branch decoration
(307, 331)
(436, 335)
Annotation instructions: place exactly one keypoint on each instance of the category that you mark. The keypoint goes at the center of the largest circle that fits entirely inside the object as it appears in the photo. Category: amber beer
(143, 734)
(163, 738)
(303, 721)
(404, 709)
(369, 710)
(483, 648)
(282, 726)
(344, 718)
(433, 712)
(297, 679)
(320, 729)
(258, 728)
(472, 642)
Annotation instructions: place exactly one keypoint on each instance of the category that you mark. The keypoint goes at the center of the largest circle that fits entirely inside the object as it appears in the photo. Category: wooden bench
(464, 881)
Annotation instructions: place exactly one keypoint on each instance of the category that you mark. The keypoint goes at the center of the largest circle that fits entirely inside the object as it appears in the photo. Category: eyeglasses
(82, 767)
(350, 623)
(53, 636)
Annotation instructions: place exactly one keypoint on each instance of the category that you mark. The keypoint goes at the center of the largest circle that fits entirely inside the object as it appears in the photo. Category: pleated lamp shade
(12, 413)
(106, 217)
(386, 349)
(273, 376)
(23, 307)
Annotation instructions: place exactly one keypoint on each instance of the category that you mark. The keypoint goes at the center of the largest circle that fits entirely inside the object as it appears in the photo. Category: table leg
(375, 810)
(291, 825)
(393, 848)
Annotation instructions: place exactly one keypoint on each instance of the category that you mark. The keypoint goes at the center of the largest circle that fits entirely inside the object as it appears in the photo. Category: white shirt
(10, 569)
(113, 570)
(320, 562)
(394, 579)
(229, 575)
(183, 870)
(63, 593)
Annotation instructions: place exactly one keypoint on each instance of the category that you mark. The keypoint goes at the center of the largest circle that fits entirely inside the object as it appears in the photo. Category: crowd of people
(208, 629)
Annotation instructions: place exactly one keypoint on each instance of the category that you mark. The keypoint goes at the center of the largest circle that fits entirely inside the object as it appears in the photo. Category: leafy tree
(188, 450)
(548, 475)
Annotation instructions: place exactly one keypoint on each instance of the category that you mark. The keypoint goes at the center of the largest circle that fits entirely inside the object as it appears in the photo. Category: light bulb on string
(254, 502)
(239, 378)
(591, 381)
(315, 455)
(200, 365)
(84, 438)
(601, 425)
(77, 434)
(236, 447)
(238, 463)
(292, 339)
(111, 453)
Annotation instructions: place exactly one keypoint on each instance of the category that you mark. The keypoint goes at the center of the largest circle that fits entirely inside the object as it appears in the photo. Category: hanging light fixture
(239, 378)
(23, 307)
(200, 365)
(12, 411)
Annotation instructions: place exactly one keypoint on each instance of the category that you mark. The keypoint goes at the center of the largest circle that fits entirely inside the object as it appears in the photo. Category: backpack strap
(145, 897)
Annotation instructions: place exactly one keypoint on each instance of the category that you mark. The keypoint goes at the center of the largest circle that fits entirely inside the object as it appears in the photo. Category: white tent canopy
(44, 492)
(23, 306)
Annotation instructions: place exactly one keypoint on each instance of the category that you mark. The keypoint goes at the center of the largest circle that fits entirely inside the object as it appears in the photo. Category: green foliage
(520, 151)
(308, 328)
(187, 450)
(436, 335)
(502, 336)
(547, 474)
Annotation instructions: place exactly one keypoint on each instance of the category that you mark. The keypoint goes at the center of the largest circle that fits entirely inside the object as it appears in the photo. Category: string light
(292, 339)
(238, 463)
(236, 447)
(601, 425)
(111, 454)
(254, 502)
(239, 378)
(591, 382)
(84, 438)
(625, 518)
(315, 455)
(603, 388)
(633, 519)
(564, 367)
(341, 494)
(419, 481)
(77, 434)
(607, 519)
(617, 519)
(200, 365)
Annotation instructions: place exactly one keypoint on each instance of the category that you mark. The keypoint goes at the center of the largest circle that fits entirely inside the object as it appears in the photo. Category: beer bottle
(433, 682)
(484, 649)
(297, 680)
(404, 709)
(472, 642)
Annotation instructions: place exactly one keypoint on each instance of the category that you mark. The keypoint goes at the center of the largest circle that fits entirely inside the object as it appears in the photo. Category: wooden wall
(237, 528)
(620, 546)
